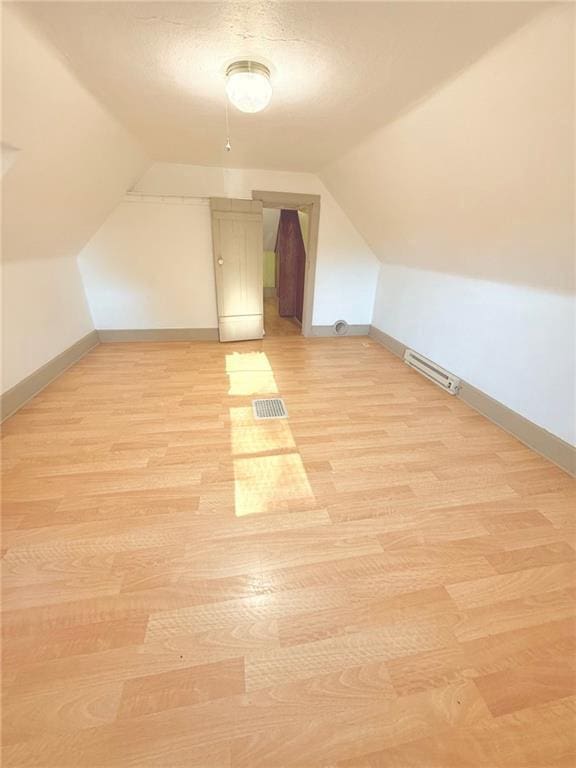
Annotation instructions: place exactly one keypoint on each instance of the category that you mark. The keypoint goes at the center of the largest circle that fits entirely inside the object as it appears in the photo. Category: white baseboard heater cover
(427, 368)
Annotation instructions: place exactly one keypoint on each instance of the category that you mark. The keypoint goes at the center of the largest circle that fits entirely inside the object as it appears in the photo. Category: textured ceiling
(339, 69)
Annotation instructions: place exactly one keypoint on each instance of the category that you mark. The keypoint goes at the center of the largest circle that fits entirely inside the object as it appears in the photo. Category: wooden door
(237, 236)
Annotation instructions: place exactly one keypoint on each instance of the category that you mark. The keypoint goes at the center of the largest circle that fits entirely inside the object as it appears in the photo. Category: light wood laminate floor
(274, 325)
(384, 579)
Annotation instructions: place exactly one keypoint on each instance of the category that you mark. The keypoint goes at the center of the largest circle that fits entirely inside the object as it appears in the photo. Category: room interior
(288, 384)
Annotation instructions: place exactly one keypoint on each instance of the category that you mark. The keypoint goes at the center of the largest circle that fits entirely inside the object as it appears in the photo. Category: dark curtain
(290, 265)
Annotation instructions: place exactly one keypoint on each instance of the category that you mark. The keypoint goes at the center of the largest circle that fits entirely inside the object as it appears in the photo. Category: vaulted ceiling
(339, 69)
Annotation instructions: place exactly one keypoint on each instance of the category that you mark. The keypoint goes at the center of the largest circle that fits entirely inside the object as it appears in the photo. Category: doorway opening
(257, 276)
(290, 236)
(285, 233)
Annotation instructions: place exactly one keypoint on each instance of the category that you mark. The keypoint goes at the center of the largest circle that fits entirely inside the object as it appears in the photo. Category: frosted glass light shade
(248, 86)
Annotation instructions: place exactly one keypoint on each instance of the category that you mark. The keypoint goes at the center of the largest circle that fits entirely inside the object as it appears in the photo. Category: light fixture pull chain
(227, 146)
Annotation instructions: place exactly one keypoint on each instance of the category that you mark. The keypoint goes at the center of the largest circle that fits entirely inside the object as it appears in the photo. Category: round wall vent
(340, 328)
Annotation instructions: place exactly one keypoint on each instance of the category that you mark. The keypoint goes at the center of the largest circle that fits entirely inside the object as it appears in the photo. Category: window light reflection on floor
(249, 436)
(250, 373)
(272, 483)
(269, 474)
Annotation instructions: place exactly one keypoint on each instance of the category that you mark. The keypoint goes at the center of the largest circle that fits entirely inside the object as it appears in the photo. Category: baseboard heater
(427, 368)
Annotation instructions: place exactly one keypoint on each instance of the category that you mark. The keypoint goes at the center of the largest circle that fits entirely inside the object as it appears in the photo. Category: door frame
(311, 204)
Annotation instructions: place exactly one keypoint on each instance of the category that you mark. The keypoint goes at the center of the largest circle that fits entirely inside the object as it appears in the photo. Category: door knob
(220, 261)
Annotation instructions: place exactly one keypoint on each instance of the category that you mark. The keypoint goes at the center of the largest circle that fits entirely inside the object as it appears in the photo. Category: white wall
(150, 266)
(120, 262)
(74, 163)
(44, 312)
(515, 343)
(271, 217)
(468, 199)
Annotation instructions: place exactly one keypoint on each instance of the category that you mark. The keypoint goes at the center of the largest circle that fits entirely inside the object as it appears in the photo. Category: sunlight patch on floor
(250, 373)
(273, 483)
(269, 474)
(249, 436)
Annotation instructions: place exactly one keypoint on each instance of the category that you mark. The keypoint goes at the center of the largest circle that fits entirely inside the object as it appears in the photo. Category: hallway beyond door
(274, 325)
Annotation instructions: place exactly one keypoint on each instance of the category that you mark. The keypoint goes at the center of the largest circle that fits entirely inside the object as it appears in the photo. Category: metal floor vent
(272, 408)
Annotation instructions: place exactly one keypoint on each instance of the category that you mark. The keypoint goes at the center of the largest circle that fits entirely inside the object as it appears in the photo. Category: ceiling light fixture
(248, 86)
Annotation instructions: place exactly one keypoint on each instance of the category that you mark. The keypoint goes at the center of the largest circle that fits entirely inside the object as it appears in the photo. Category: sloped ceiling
(340, 69)
(71, 163)
(478, 179)
(74, 160)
